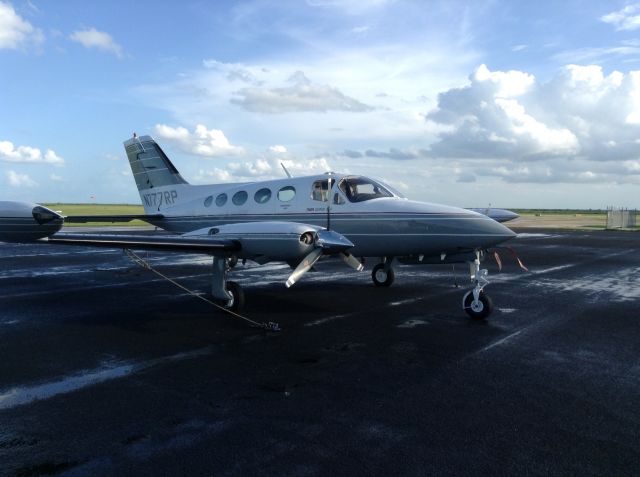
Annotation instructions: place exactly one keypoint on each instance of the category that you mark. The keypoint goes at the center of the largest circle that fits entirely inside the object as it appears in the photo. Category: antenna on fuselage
(286, 171)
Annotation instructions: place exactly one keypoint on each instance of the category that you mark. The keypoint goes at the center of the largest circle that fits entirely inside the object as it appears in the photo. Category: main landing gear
(475, 302)
(382, 274)
(229, 293)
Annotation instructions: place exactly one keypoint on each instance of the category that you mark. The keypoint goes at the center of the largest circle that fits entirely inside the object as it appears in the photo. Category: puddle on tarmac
(27, 394)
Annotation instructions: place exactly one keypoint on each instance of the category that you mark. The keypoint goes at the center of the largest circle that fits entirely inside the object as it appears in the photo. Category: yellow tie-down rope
(270, 326)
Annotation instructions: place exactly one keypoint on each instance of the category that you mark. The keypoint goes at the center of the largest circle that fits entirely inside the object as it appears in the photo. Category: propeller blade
(352, 261)
(304, 266)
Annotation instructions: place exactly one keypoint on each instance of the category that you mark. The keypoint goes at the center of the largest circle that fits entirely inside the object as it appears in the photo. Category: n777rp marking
(158, 199)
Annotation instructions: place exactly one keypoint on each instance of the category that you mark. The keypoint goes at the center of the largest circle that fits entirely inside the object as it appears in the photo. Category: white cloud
(202, 142)
(92, 38)
(301, 96)
(262, 169)
(16, 32)
(627, 18)
(27, 154)
(278, 149)
(16, 179)
(307, 167)
(580, 113)
(55, 178)
(259, 168)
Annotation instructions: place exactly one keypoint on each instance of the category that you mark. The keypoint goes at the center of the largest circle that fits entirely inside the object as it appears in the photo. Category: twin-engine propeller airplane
(295, 220)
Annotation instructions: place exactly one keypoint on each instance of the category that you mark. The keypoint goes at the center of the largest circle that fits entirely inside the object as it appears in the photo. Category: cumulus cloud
(28, 154)
(202, 142)
(580, 113)
(582, 126)
(627, 18)
(92, 38)
(301, 96)
(264, 168)
(15, 31)
(258, 168)
(16, 179)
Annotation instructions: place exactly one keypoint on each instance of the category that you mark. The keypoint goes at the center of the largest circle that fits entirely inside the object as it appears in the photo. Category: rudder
(153, 172)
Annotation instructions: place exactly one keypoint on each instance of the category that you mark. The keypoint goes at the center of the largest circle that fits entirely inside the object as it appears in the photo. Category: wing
(83, 219)
(290, 242)
(207, 245)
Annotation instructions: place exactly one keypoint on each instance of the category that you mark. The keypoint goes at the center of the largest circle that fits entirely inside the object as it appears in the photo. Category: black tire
(380, 277)
(238, 297)
(484, 308)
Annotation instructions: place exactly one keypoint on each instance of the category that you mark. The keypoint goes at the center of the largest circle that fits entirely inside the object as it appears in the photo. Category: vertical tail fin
(156, 177)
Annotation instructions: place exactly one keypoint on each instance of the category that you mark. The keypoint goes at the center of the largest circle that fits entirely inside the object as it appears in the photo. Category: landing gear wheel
(479, 310)
(382, 278)
(237, 301)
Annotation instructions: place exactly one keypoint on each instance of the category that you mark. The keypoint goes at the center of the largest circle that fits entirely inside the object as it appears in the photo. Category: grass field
(100, 209)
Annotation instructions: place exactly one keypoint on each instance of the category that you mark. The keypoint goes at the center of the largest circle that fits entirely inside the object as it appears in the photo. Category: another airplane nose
(42, 215)
(495, 232)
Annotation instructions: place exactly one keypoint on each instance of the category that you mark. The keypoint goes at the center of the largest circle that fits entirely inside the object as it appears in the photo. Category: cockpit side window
(320, 191)
(359, 189)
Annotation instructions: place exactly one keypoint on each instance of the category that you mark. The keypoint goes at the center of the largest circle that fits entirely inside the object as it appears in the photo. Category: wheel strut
(475, 302)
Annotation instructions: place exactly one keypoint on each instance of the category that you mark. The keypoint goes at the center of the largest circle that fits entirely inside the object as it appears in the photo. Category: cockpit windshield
(359, 189)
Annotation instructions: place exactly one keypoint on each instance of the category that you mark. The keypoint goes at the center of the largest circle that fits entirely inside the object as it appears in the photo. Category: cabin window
(359, 189)
(320, 190)
(240, 197)
(208, 201)
(221, 199)
(286, 194)
(262, 196)
(338, 199)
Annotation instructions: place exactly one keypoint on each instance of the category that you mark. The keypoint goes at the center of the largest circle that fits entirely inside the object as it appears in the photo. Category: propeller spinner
(327, 242)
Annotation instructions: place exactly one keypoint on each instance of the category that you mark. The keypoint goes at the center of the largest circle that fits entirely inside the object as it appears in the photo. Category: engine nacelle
(25, 221)
(266, 241)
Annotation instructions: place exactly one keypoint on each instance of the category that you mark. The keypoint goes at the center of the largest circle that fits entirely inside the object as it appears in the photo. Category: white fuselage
(378, 223)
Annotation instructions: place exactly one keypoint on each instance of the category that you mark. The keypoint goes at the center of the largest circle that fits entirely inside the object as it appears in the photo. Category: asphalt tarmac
(106, 369)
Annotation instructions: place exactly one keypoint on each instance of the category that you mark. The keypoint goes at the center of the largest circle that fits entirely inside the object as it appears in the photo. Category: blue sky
(509, 103)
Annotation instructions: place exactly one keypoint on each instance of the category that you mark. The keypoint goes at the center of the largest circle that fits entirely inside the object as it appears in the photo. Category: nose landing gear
(475, 302)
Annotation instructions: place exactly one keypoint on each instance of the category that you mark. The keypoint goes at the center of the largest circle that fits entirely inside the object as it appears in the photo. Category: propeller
(352, 261)
(327, 242)
(304, 266)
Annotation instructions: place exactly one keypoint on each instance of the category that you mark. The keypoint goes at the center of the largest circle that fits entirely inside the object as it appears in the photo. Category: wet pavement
(106, 369)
